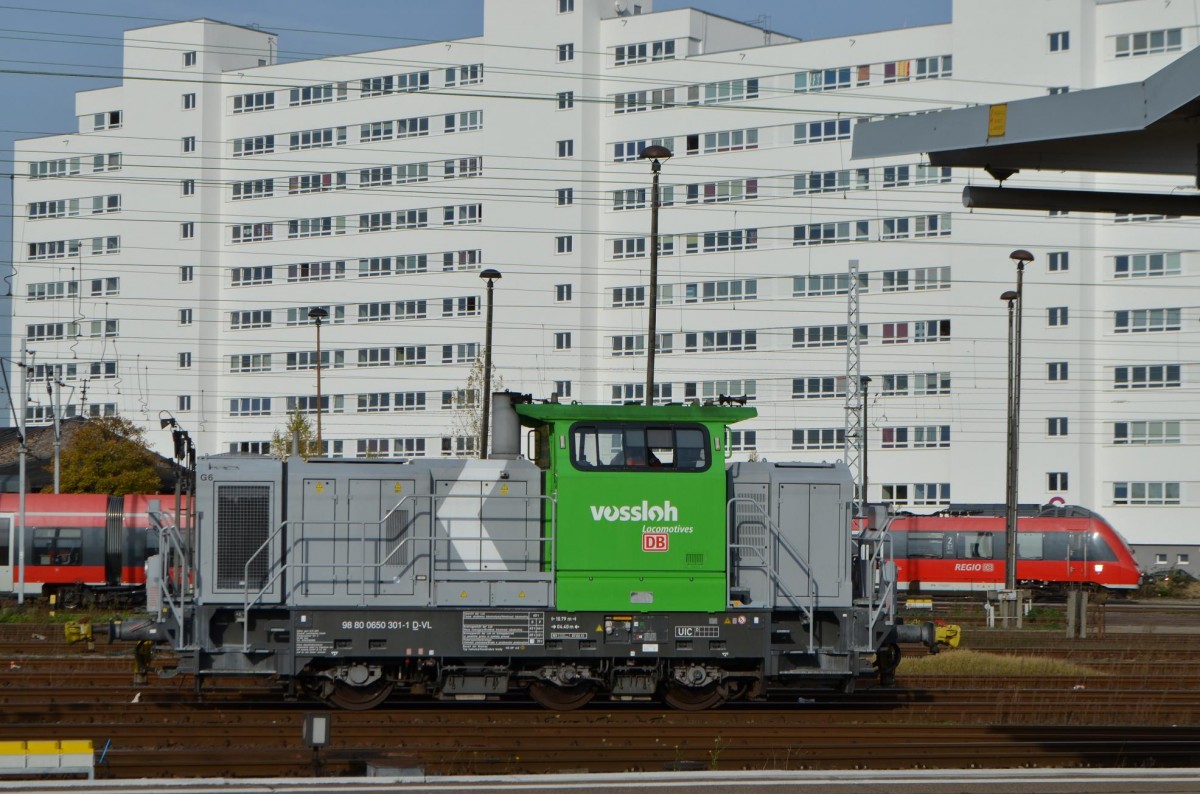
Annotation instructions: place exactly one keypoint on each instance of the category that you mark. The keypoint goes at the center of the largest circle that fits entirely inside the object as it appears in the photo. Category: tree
(109, 455)
(281, 440)
(468, 402)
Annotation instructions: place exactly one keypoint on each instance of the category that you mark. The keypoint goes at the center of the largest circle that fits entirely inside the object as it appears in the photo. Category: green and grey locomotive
(624, 557)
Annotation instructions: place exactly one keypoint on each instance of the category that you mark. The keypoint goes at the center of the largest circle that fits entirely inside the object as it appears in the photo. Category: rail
(249, 603)
(770, 570)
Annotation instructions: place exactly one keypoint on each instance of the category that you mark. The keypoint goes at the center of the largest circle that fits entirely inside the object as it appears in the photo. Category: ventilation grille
(243, 525)
(393, 547)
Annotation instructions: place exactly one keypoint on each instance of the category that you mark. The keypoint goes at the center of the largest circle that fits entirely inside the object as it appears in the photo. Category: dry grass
(979, 663)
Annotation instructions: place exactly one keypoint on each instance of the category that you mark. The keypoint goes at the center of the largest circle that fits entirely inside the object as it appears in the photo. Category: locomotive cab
(640, 495)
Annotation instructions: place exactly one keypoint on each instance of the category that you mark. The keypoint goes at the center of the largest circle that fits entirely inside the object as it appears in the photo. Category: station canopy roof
(1151, 127)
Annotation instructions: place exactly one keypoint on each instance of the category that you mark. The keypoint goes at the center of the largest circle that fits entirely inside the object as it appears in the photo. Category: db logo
(655, 541)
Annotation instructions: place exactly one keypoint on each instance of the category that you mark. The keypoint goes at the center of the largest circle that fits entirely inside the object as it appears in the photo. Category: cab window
(637, 447)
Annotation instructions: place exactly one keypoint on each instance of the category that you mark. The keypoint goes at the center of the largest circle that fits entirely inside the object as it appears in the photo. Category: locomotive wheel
(558, 698)
(358, 698)
(687, 699)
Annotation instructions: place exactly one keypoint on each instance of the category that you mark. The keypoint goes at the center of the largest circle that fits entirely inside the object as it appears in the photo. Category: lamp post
(317, 314)
(655, 154)
(1013, 297)
(491, 276)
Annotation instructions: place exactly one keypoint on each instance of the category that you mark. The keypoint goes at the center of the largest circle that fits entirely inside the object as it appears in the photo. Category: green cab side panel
(638, 540)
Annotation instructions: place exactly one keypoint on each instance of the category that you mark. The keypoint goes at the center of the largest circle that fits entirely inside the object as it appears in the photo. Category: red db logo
(655, 541)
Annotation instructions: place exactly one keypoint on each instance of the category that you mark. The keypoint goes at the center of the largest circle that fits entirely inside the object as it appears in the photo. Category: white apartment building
(169, 252)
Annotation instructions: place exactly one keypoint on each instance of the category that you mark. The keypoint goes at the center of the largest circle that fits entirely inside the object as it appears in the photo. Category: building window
(819, 438)
(562, 340)
(1060, 42)
(1182, 559)
(250, 406)
(109, 120)
(1148, 42)
(1059, 261)
(249, 103)
(189, 58)
(185, 360)
(189, 144)
(189, 101)
(1056, 370)
(1056, 481)
(566, 52)
(566, 100)
(566, 6)
(1056, 426)
(188, 187)
(1146, 265)
(566, 148)
(1146, 493)
(185, 316)
(1058, 89)
(565, 196)
(1146, 320)
(562, 292)
(1056, 316)
(564, 244)
(187, 273)
(1156, 431)
(187, 230)
(184, 402)
(1147, 376)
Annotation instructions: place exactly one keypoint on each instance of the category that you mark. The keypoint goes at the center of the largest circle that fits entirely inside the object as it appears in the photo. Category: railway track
(518, 740)
(1142, 708)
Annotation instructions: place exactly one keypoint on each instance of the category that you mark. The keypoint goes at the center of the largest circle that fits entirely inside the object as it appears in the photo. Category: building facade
(169, 254)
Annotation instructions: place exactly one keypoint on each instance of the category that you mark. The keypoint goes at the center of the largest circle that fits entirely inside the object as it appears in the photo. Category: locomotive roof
(558, 412)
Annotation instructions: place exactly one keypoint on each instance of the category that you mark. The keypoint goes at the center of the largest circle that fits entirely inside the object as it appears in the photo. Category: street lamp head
(655, 153)
(490, 275)
(1010, 295)
(317, 313)
(1021, 257)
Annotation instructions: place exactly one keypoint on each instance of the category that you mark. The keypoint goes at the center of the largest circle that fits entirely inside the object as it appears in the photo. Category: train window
(1099, 550)
(58, 546)
(1029, 546)
(693, 451)
(639, 447)
(977, 546)
(925, 544)
(661, 447)
(1054, 546)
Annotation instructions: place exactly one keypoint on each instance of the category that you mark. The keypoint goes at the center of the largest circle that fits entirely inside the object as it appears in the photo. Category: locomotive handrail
(170, 541)
(878, 556)
(249, 603)
(772, 573)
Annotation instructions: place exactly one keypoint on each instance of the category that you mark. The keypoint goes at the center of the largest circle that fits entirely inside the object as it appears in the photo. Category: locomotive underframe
(488, 651)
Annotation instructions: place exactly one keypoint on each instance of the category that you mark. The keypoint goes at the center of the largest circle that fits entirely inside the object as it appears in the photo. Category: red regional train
(82, 548)
(963, 549)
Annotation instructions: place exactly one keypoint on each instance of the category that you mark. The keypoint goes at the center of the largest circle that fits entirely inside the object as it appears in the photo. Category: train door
(6, 554)
(1077, 561)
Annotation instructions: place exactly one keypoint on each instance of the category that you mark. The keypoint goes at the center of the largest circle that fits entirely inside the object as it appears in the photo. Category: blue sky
(84, 36)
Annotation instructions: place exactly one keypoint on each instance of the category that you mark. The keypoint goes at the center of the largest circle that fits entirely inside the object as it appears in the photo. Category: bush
(1172, 583)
